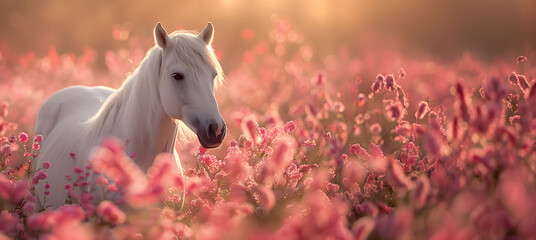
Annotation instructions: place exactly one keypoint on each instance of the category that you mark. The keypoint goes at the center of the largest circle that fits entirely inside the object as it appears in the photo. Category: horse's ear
(207, 34)
(160, 36)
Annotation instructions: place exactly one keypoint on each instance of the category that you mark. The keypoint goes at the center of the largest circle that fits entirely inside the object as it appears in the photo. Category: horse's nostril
(212, 128)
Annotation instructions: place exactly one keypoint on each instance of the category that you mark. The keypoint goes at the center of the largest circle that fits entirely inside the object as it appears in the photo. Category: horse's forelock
(194, 52)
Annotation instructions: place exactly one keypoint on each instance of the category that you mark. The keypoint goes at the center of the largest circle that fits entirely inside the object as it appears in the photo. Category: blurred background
(443, 29)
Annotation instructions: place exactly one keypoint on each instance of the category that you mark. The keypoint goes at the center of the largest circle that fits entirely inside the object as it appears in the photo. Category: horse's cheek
(170, 100)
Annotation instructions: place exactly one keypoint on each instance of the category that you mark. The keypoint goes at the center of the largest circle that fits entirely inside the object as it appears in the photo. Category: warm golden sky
(443, 28)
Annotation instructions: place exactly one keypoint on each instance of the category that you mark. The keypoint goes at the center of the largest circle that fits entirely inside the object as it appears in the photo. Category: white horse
(175, 81)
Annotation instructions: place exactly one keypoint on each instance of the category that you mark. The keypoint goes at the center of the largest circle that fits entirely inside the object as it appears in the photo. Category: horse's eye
(178, 76)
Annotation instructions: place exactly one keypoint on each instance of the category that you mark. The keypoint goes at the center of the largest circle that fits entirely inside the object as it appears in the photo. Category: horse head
(189, 74)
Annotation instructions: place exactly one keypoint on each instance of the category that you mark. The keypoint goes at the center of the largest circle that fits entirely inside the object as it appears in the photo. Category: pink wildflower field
(376, 146)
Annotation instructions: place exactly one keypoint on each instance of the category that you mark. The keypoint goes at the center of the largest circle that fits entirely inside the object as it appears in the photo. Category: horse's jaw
(206, 145)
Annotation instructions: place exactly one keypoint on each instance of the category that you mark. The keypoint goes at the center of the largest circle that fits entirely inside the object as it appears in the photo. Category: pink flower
(173, 198)
(109, 159)
(514, 120)
(279, 160)
(46, 164)
(78, 170)
(289, 127)
(263, 196)
(367, 208)
(41, 221)
(513, 79)
(421, 190)
(378, 84)
(236, 166)
(72, 194)
(521, 59)
(362, 228)
(13, 191)
(494, 89)
(111, 188)
(23, 137)
(101, 181)
(375, 128)
(250, 128)
(390, 82)
(237, 192)
(67, 186)
(67, 223)
(373, 157)
(353, 174)
(6, 149)
(8, 221)
(72, 155)
(395, 112)
(28, 208)
(320, 218)
(160, 177)
(332, 188)
(36, 146)
(38, 139)
(211, 162)
(523, 82)
(293, 174)
(403, 128)
(356, 149)
(110, 213)
(462, 105)
(433, 143)
(41, 175)
(396, 176)
(422, 109)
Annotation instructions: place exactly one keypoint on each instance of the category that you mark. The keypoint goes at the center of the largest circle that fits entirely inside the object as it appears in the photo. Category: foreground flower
(13, 191)
(137, 188)
(110, 159)
(110, 213)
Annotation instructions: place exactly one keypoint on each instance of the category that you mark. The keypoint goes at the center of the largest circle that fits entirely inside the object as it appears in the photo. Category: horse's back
(72, 104)
(60, 121)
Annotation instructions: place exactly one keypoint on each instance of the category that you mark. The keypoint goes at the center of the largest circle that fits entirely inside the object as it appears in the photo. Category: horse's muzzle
(211, 135)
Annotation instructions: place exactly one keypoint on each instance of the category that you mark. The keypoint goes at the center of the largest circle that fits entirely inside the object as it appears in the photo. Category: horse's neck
(135, 115)
(146, 143)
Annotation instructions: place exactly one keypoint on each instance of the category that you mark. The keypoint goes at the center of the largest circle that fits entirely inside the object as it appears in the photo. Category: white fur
(143, 112)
